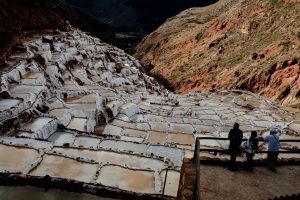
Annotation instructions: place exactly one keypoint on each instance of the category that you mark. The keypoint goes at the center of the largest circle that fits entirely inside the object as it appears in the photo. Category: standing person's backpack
(249, 146)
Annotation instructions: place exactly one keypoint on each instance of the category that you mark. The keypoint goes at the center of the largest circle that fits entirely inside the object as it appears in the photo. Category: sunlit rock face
(72, 107)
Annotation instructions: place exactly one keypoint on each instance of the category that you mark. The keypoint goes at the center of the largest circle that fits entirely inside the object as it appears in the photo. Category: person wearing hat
(235, 136)
(273, 149)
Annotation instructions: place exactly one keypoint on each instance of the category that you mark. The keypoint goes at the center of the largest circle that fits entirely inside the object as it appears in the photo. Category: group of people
(250, 147)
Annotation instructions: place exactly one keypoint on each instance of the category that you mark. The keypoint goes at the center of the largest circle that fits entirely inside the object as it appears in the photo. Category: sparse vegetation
(253, 25)
(275, 2)
(286, 46)
(298, 36)
(267, 28)
(298, 94)
(297, 106)
(199, 36)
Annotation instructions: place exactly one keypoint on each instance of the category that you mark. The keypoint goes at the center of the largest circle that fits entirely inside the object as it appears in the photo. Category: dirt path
(218, 183)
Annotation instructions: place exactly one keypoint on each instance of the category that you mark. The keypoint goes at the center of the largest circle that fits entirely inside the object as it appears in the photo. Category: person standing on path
(250, 148)
(235, 136)
(273, 149)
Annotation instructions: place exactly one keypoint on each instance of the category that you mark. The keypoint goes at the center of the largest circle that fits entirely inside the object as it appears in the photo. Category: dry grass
(269, 28)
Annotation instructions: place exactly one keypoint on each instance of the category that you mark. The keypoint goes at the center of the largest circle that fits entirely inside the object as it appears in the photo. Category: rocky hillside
(20, 16)
(249, 45)
(132, 20)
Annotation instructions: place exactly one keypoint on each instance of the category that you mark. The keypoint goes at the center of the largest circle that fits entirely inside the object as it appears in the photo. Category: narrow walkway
(218, 183)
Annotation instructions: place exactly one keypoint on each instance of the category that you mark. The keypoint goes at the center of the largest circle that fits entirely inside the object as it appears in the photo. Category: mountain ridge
(250, 45)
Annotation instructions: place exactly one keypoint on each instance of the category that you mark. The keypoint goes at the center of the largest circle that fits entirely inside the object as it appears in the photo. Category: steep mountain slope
(20, 16)
(251, 45)
(134, 19)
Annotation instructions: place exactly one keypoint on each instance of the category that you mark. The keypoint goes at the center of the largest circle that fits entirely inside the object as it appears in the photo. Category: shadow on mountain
(17, 17)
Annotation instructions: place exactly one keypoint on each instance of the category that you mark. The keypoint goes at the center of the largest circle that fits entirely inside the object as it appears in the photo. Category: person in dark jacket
(250, 148)
(235, 136)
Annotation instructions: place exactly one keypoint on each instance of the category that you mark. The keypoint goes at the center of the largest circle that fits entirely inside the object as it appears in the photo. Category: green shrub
(286, 46)
(298, 94)
(199, 36)
(275, 2)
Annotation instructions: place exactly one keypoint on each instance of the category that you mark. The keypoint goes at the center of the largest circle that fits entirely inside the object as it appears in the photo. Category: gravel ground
(218, 183)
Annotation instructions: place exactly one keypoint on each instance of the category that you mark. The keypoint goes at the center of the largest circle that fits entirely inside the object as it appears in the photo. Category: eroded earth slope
(240, 44)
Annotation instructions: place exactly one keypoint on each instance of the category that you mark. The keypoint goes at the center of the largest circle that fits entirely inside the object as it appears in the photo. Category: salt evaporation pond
(172, 183)
(127, 179)
(87, 142)
(181, 139)
(80, 99)
(112, 158)
(77, 124)
(124, 146)
(38, 123)
(8, 103)
(61, 138)
(22, 157)
(57, 166)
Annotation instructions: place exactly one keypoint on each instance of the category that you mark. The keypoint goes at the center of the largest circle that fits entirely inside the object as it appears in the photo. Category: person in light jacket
(273, 149)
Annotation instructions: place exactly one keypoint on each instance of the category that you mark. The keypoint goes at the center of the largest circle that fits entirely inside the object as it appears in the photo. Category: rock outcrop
(249, 45)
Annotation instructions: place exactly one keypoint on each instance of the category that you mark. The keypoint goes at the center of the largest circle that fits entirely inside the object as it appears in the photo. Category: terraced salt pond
(32, 75)
(87, 142)
(24, 89)
(81, 99)
(37, 124)
(15, 159)
(8, 103)
(61, 138)
(172, 181)
(127, 179)
(181, 139)
(124, 146)
(156, 137)
(173, 154)
(295, 126)
(78, 124)
(95, 119)
(106, 157)
(57, 166)
(90, 106)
